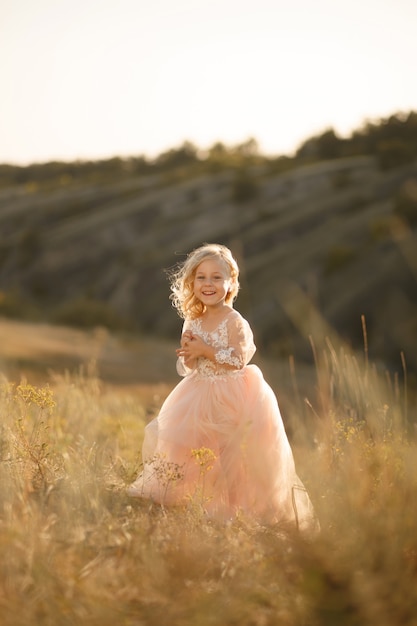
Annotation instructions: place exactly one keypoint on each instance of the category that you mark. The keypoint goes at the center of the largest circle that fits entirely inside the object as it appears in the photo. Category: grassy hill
(80, 551)
(319, 245)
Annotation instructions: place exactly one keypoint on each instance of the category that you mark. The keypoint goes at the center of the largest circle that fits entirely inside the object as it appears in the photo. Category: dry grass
(76, 550)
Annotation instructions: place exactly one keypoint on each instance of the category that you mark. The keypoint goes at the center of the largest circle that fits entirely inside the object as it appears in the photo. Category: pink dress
(219, 440)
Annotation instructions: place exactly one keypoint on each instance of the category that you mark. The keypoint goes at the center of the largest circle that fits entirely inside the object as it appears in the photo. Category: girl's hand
(194, 347)
(185, 339)
(187, 336)
(181, 352)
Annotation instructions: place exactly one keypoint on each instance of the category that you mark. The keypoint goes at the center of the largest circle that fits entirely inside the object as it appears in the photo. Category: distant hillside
(319, 244)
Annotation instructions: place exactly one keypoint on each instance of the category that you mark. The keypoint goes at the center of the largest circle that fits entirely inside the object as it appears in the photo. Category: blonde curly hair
(182, 279)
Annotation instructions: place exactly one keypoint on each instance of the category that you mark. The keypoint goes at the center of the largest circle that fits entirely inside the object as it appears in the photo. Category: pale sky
(87, 79)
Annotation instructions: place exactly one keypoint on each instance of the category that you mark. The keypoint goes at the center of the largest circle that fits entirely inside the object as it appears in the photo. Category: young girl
(219, 438)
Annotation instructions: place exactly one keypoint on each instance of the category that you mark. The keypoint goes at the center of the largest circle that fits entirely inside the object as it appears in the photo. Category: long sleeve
(240, 348)
(182, 369)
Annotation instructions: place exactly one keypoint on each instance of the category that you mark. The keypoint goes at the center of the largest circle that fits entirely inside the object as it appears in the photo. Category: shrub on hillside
(244, 187)
(184, 155)
(381, 229)
(405, 204)
(15, 306)
(394, 153)
(326, 146)
(337, 258)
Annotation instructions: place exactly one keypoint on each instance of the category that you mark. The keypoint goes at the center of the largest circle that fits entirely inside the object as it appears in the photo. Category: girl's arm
(185, 364)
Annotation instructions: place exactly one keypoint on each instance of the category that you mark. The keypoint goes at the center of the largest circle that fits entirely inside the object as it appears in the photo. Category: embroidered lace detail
(216, 374)
(225, 356)
(217, 338)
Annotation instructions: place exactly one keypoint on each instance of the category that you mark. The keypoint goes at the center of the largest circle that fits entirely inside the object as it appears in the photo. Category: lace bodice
(233, 339)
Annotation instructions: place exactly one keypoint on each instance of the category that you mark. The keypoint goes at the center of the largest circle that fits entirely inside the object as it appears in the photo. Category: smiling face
(212, 283)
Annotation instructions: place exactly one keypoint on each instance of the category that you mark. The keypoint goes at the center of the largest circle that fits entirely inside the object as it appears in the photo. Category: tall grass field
(76, 550)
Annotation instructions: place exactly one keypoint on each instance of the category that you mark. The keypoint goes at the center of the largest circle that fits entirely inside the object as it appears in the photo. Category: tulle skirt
(220, 442)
